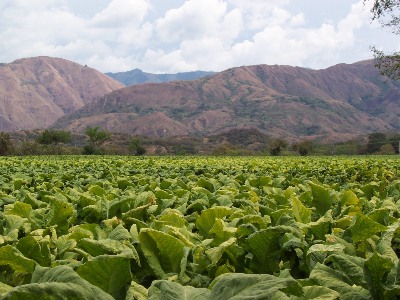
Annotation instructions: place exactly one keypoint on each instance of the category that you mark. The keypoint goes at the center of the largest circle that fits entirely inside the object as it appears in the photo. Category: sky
(170, 36)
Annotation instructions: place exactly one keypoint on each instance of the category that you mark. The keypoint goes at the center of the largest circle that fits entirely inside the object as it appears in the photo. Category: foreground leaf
(58, 283)
(9, 255)
(110, 273)
(167, 290)
(163, 251)
(363, 228)
(207, 219)
(252, 286)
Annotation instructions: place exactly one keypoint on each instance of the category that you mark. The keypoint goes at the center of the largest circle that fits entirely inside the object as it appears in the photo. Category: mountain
(137, 76)
(332, 104)
(35, 92)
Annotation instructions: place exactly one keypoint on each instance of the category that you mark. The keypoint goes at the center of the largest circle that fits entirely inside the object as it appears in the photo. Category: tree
(387, 13)
(375, 141)
(394, 141)
(303, 148)
(135, 147)
(5, 143)
(96, 138)
(275, 146)
(54, 137)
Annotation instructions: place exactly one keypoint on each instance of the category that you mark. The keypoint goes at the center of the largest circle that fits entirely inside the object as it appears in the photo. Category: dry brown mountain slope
(35, 92)
(330, 104)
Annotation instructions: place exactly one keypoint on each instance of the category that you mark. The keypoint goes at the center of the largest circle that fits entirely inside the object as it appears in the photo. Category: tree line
(97, 141)
(51, 141)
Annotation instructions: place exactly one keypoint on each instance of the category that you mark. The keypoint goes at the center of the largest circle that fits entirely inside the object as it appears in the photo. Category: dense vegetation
(238, 141)
(199, 228)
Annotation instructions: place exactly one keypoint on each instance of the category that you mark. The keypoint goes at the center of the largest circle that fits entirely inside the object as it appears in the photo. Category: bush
(6, 145)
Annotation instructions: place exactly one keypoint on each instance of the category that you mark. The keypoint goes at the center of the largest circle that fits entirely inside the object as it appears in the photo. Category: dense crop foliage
(199, 228)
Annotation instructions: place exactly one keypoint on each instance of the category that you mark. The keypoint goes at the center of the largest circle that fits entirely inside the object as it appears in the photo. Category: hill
(332, 104)
(137, 76)
(35, 92)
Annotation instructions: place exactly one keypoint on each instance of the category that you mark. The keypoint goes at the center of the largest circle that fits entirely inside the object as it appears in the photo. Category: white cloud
(281, 38)
(44, 27)
(166, 62)
(119, 13)
(261, 13)
(118, 35)
(197, 19)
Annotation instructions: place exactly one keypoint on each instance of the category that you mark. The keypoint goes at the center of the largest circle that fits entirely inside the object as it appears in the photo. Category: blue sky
(176, 35)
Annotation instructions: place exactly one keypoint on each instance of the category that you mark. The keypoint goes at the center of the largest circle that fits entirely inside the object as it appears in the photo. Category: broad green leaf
(369, 189)
(364, 228)
(60, 282)
(163, 251)
(300, 211)
(9, 255)
(172, 218)
(120, 205)
(4, 289)
(167, 290)
(315, 292)
(120, 233)
(207, 219)
(318, 252)
(139, 212)
(225, 268)
(266, 248)
(38, 251)
(349, 198)
(161, 194)
(13, 225)
(18, 208)
(145, 198)
(183, 234)
(97, 190)
(137, 292)
(322, 226)
(380, 215)
(335, 280)
(261, 222)
(252, 286)
(63, 244)
(322, 199)
(384, 246)
(221, 232)
(110, 273)
(61, 214)
(93, 211)
(215, 254)
(206, 184)
(376, 267)
(349, 249)
(353, 266)
(108, 246)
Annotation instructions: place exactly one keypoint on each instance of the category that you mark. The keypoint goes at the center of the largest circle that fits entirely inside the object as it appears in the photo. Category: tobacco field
(199, 228)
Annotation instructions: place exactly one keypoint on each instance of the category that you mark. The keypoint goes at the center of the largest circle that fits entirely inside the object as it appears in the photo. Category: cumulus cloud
(279, 44)
(197, 19)
(119, 35)
(275, 36)
(120, 13)
(46, 27)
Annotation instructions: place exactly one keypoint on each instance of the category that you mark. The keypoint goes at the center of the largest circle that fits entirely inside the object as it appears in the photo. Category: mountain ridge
(335, 103)
(137, 76)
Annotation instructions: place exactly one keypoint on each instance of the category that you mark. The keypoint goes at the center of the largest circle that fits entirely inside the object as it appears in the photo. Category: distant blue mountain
(137, 76)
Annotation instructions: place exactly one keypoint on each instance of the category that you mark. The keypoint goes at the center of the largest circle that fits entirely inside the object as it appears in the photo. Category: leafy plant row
(199, 228)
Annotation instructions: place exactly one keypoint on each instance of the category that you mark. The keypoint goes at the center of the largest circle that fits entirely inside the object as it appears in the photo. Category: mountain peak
(36, 91)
